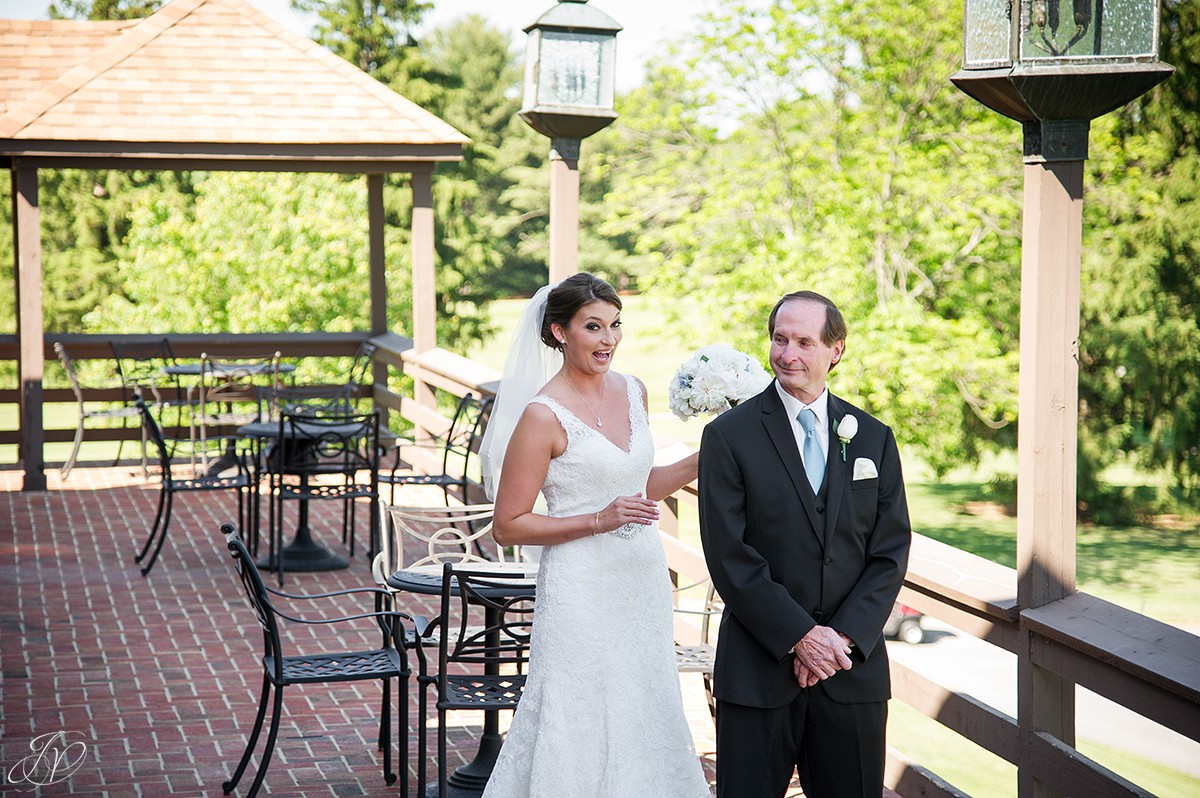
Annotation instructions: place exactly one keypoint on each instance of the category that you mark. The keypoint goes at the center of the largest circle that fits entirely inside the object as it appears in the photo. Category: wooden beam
(999, 634)
(1143, 664)
(1046, 438)
(564, 212)
(910, 780)
(983, 725)
(188, 156)
(27, 242)
(424, 283)
(190, 345)
(1066, 770)
(376, 225)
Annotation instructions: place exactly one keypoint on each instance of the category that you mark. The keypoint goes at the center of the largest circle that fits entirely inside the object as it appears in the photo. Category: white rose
(847, 428)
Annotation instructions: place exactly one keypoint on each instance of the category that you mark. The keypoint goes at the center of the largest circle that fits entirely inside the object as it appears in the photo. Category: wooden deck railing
(1149, 667)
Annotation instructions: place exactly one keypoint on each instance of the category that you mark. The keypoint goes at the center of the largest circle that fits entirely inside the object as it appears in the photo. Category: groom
(806, 533)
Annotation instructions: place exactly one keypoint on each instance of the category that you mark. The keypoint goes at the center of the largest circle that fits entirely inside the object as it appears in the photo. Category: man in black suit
(806, 534)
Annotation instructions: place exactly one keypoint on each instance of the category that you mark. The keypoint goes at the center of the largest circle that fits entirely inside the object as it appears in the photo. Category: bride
(601, 716)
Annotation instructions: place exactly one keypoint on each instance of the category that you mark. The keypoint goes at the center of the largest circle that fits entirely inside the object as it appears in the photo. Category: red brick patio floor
(158, 676)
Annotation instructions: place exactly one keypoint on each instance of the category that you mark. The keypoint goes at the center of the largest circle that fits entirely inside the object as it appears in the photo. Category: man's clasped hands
(820, 654)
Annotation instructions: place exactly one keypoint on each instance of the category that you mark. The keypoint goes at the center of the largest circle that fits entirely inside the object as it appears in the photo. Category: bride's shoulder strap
(635, 388)
(564, 416)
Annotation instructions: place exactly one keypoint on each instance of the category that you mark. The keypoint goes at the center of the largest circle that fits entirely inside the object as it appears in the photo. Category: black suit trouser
(838, 749)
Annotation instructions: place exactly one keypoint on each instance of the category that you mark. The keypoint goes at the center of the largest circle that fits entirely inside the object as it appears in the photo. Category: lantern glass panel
(1088, 30)
(576, 69)
(987, 34)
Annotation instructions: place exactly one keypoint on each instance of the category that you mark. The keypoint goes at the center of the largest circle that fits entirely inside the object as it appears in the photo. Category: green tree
(1140, 341)
(376, 36)
(256, 252)
(481, 233)
(818, 144)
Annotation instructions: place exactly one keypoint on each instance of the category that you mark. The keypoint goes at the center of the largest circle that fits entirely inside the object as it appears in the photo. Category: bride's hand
(636, 509)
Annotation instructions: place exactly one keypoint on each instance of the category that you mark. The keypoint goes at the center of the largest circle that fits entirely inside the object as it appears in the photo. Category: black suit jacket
(782, 564)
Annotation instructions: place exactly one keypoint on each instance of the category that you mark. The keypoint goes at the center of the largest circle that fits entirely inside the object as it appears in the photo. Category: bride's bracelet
(596, 524)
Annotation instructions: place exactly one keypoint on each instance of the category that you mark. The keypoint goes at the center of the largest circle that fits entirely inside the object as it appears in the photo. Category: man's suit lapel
(837, 471)
(779, 430)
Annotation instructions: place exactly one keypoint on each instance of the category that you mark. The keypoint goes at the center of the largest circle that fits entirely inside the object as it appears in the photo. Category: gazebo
(207, 85)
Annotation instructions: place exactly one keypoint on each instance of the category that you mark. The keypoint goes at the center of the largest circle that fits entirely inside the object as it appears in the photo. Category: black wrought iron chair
(482, 643)
(274, 400)
(145, 369)
(277, 398)
(385, 663)
(238, 480)
(228, 395)
(361, 381)
(361, 366)
(459, 449)
(320, 456)
(86, 414)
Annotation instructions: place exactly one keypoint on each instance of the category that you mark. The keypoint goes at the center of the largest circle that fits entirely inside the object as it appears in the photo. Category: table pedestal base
(305, 554)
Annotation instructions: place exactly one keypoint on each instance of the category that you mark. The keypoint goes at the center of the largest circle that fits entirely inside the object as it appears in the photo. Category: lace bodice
(601, 715)
(593, 470)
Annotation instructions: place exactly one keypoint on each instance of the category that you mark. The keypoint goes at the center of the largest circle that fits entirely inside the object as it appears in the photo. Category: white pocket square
(864, 469)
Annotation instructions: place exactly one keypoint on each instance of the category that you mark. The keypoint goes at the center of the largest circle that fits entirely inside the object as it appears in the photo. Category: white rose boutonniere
(846, 429)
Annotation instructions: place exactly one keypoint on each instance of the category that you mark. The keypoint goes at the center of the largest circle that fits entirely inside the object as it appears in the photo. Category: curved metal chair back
(171, 484)
(502, 641)
(154, 435)
(360, 369)
(140, 366)
(259, 600)
(440, 534)
(276, 399)
(459, 448)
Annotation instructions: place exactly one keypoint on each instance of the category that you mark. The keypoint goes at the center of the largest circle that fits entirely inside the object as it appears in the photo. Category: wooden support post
(424, 286)
(378, 260)
(30, 346)
(564, 208)
(377, 223)
(1046, 440)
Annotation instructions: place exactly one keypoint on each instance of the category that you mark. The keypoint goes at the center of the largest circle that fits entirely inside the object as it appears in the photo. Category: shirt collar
(793, 406)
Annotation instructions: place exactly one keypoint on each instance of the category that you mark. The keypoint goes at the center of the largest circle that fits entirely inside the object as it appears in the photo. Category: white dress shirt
(820, 408)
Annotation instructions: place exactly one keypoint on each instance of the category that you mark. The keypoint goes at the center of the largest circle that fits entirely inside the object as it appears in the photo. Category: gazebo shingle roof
(214, 72)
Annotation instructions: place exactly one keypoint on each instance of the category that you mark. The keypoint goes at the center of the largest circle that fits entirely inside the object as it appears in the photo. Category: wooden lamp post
(570, 80)
(1053, 66)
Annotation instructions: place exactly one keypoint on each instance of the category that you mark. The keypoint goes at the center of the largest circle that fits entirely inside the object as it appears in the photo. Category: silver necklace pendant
(599, 423)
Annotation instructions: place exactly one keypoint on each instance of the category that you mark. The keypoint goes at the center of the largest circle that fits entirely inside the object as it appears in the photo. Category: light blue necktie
(814, 462)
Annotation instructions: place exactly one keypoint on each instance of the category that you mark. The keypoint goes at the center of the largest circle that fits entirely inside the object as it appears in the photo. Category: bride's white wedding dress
(602, 715)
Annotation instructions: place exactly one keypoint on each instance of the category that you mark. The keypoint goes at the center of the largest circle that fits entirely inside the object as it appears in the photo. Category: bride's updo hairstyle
(568, 297)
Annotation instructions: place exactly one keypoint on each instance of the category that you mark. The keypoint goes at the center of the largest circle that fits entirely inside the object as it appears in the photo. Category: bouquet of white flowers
(714, 379)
